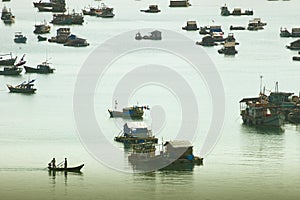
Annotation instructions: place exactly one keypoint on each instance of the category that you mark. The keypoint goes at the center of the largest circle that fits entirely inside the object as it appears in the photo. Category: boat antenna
(261, 77)
(276, 87)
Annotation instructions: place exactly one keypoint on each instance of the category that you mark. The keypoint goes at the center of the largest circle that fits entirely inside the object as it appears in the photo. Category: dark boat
(207, 41)
(41, 28)
(7, 16)
(190, 26)
(20, 38)
(11, 71)
(175, 155)
(41, 38)
(25, 87)
(179, 3)
(154, 35)
(129, 112)
(237, 28)
(228, 49)
(68, 169)
(8, 61)
(74, 41)
(151, 9)
(294, 45)
(296, 58)
(51, 6)
(105, 12)
(43, 68)
(67, 19)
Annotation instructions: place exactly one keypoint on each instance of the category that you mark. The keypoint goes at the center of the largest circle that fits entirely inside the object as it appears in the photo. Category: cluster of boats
(274, 109)
(177, 154)
(295, 45)
(11, 68)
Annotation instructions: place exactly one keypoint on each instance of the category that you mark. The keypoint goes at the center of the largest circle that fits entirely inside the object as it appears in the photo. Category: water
(246, 162)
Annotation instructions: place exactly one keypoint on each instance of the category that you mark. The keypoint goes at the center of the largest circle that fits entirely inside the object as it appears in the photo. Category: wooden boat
(179, 3)
(7, 61)
(43, 68)
(42, 28)
(129, 112)
(68, 169)
(20, 38)
(154, 35)
(190, 26)
(237, 28)
(67, 19)
(7, 16)
(175, 155)
(41, 38)
(151, 9)
(11, 71)
(25, 87)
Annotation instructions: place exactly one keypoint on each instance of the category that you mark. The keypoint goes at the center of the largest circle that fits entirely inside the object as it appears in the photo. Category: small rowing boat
(69, 169)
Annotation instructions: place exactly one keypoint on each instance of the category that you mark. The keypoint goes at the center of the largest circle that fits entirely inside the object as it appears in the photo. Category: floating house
(135, 133)
(190, 26)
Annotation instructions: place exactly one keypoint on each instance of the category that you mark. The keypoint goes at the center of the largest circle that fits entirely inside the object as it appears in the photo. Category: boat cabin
(137, 129)
(181, 149)
(191, 26)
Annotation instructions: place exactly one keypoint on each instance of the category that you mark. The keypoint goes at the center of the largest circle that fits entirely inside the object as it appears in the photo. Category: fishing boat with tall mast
(13, 70)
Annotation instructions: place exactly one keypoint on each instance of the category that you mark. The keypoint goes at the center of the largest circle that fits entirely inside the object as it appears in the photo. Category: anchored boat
(25, 87)
(173, 155)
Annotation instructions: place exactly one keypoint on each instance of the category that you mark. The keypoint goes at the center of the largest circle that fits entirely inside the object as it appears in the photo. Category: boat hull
(21, 90)
(69, 169)
(12, 72)
(274, 120)
(39, 71)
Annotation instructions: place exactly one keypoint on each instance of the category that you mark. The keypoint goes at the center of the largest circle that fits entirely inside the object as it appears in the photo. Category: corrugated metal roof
(179, 143)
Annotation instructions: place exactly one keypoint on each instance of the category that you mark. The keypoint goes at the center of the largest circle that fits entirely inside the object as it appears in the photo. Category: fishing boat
(62, 35)
(285, 33)
(42, 28)
(105, 12)
(259, 112)
(296, 58)
(151, 9)
(41, 38)
(256, 24)
(190, 26)
(43, 68)
(68, 19)
(11, 71)
(154, 35)
(237, 27)
(228, 49)
(20, 38)
(7, 16)
(236, 11)
(68, 169)
(207, 41)
(51, 6)
(75, 41)
(129, 112)
(135, 133)
(7, 61)
(25, 87)
(173, 155)
(179, 3)
(295, 45)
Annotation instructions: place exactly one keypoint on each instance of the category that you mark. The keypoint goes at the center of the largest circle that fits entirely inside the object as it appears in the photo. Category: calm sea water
(246, 163)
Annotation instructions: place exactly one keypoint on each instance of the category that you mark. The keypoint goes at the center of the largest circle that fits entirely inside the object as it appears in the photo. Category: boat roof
(134, 125)
(253, 99)
(179, 143)
(281, 93)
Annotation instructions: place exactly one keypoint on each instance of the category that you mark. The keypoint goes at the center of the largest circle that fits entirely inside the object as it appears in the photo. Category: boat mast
(261, 77)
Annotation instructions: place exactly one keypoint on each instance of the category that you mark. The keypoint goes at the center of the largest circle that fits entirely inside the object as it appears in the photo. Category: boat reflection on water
(58, 175)
(267, 130)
